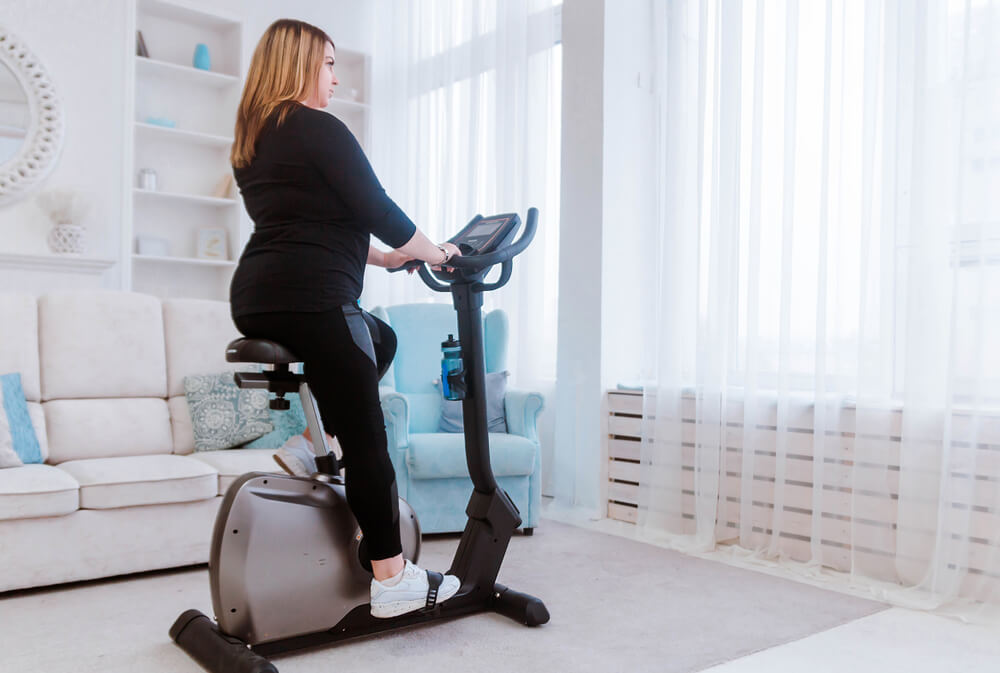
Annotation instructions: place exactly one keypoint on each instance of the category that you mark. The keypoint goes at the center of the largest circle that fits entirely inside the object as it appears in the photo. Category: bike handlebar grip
(412, 264)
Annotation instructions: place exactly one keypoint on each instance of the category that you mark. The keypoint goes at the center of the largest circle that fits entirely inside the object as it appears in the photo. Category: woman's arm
(375, 256)
(396, 258)
(346, 169)
(420, 247)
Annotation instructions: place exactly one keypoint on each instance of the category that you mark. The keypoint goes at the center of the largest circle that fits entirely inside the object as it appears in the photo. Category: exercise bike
(304, 527)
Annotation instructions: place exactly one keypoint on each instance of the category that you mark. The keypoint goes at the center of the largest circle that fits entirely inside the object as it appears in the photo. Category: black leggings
(344, 381)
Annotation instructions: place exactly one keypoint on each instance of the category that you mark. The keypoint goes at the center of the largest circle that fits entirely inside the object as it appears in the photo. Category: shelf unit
(190, 158)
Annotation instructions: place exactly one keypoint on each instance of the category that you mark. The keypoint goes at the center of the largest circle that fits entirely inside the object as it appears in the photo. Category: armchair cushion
(441, 455)
(496, 388)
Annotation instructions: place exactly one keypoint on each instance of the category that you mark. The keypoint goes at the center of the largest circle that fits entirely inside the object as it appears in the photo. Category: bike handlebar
(475, 262)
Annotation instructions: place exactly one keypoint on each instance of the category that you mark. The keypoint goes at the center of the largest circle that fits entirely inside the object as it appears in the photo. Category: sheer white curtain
(467, 120)
(826, 385)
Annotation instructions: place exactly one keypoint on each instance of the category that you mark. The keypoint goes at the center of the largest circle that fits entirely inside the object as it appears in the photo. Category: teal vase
(202, 59)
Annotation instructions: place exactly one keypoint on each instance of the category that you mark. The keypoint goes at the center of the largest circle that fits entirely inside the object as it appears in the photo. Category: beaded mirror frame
(37, 156)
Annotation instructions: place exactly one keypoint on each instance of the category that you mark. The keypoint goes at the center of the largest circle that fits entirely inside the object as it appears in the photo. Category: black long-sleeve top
(314, 201)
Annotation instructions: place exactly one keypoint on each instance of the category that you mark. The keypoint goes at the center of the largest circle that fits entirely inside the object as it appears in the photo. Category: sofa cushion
(103, 428)
(234, 462)
(126, 481)
(17, 432)
(101, 344)
(180, 425)
(223, 415)
(19, 340)
(37, 490)
(441, 455)
(196, 332)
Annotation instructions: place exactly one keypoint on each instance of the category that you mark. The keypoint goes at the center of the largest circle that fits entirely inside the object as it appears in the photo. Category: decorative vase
(68, 239)
(202, 59)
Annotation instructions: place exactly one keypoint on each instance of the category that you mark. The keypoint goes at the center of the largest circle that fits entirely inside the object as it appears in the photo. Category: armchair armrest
(396, 410)
(522, 408)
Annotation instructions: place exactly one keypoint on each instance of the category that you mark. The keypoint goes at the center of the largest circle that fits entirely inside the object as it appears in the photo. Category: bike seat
(259, 350)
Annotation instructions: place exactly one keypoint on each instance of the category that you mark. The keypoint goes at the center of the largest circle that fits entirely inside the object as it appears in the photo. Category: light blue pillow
(222, 415)
(496, 420)
(17, 434)
(286, 424)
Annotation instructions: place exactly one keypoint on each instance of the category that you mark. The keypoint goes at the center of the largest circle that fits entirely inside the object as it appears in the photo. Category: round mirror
(30, 120)
(13, 115)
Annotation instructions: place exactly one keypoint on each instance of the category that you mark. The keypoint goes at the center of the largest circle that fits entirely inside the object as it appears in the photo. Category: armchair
(431, 470)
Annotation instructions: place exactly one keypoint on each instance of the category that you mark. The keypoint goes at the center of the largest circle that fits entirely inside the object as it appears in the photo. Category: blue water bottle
(452, 385)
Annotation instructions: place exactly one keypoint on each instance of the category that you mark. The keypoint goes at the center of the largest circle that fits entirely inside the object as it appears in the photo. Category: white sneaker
(296, 457)
(410, 594)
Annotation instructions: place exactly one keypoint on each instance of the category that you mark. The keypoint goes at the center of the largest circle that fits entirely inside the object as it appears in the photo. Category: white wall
(607, 230)
(576, 455)
(83, 45)
(629, 234)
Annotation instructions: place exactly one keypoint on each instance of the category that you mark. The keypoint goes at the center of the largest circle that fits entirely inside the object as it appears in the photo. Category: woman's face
(325, 81)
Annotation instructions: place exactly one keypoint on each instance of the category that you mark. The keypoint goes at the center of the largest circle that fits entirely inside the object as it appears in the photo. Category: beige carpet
(616, 605)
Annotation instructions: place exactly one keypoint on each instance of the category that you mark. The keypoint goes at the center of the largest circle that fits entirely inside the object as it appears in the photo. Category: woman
(315, 202)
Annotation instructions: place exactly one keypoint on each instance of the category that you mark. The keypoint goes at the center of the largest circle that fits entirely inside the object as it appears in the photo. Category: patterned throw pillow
(287, 423)
(18, 443)
(452, 419)
(222, 415)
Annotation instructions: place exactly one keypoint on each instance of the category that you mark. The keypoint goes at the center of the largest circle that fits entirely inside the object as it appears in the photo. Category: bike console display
(485, 234)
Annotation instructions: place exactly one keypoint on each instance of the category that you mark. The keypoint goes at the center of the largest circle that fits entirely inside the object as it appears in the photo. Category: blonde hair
(283, 70)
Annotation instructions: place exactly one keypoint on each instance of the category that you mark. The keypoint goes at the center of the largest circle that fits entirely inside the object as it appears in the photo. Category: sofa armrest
(396, 410)
(522, 408)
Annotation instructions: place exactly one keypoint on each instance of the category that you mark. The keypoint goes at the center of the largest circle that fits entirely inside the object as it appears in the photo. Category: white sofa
(122, 489)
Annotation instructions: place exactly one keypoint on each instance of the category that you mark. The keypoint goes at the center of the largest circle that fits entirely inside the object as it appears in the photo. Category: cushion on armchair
(451, 410)
(442, 455)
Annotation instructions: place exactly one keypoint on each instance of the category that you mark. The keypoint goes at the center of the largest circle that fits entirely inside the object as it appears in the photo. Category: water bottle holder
(456, 385)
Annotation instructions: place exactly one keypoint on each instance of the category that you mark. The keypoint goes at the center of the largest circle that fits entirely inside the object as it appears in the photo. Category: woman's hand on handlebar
(452, 250)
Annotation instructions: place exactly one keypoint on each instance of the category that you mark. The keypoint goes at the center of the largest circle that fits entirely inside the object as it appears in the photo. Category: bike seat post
(280, 380)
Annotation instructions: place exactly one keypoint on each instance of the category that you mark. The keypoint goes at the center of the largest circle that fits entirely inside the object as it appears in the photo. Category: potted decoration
(66, 209)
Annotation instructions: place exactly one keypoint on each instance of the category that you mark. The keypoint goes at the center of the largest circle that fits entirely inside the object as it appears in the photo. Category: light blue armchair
(431, 470)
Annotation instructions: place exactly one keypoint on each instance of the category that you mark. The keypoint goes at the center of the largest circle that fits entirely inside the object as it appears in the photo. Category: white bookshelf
(167, 197)
(190, 157)
(183, 74)
(153, 132)
(183, 261)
